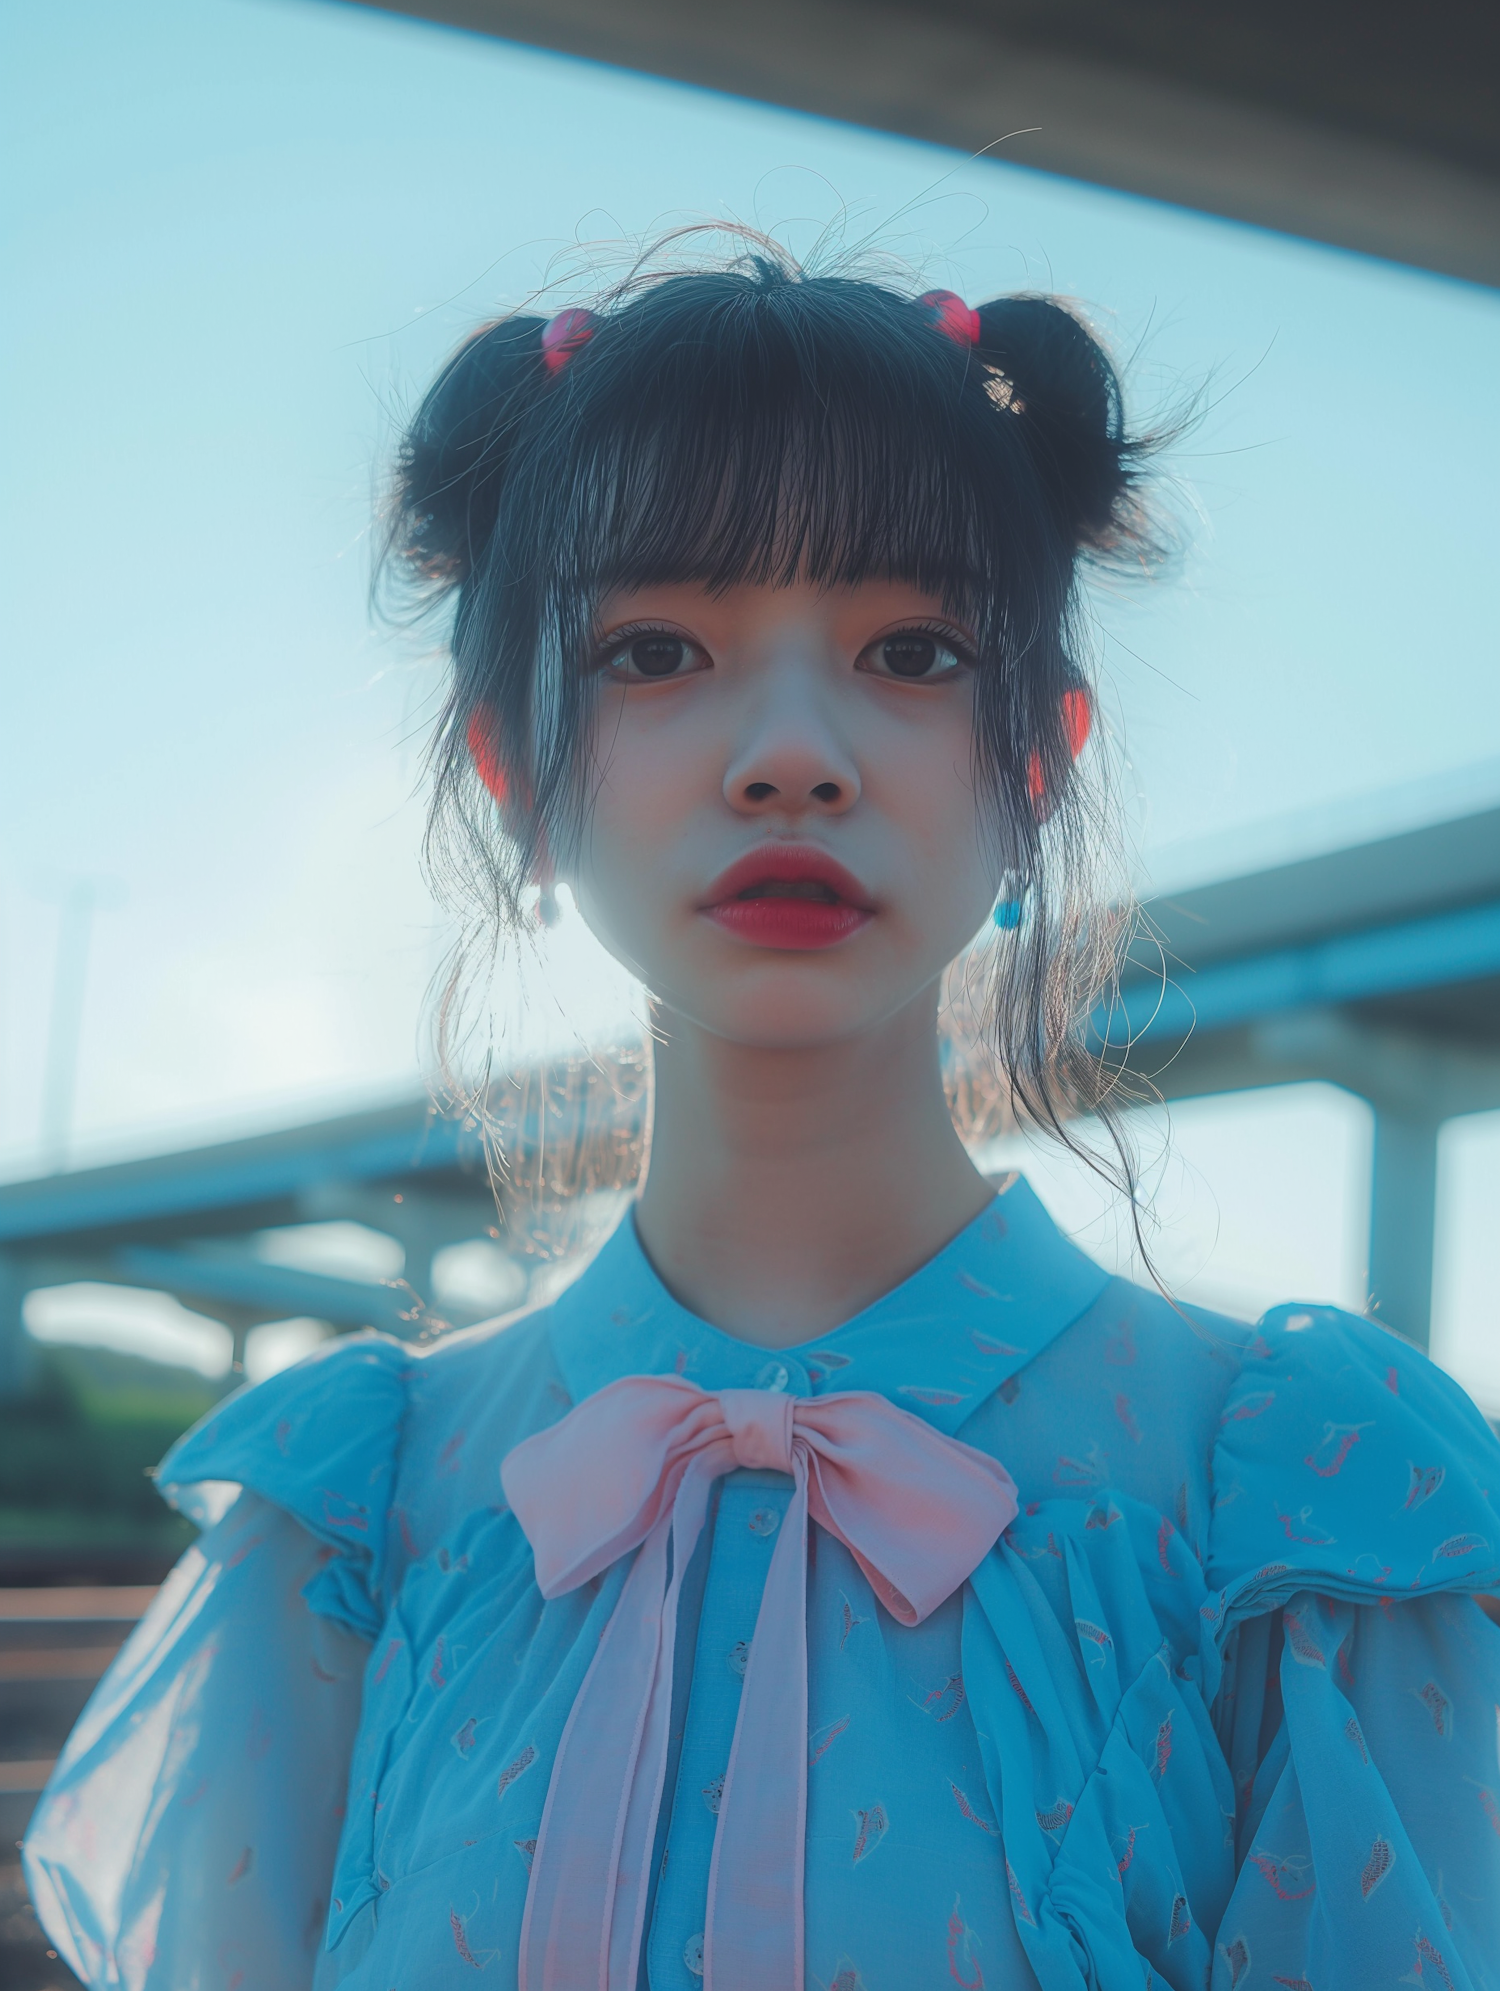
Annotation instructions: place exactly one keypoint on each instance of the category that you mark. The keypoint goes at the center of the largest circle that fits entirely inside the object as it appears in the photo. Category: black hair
(755, 423)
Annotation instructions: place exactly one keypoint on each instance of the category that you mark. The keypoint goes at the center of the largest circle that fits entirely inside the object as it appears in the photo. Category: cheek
(926, 792)
(645, 799)
(640, 816)
(612, 889)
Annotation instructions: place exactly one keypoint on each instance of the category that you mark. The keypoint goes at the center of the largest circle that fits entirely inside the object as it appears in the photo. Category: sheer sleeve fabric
(1354, 1525)
(322, 1441)
(188, 1833)
(1278, 1766)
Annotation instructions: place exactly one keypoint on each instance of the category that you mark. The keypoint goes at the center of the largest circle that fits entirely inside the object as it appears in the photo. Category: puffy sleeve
(1355, 1520)
(189, 1830)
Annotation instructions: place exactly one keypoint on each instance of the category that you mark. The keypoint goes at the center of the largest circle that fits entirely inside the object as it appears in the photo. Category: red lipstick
(790, 896)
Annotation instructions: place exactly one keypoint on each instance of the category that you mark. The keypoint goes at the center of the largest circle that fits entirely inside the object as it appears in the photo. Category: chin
(780, 1010)
(791, 1031)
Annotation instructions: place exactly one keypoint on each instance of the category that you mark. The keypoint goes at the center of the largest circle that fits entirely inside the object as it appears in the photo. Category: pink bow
(631, 1467)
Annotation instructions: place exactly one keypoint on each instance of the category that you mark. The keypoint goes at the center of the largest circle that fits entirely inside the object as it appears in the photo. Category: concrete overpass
(1375, 967)
(1370, 124)
(187, 1223)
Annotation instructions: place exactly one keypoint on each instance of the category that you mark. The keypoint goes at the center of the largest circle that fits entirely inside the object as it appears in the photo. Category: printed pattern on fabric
(1218, 1710)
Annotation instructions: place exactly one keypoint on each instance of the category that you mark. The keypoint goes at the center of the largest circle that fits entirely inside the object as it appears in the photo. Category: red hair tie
(954, 319)
(563, 335)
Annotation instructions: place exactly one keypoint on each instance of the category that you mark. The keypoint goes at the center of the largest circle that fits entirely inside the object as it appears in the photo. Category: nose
(790, 759)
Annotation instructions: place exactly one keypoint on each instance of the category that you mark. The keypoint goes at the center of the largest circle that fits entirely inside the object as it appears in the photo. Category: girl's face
(785, 843)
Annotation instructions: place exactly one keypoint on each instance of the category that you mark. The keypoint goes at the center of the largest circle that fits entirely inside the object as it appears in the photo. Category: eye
(651, 655)
(914, 656)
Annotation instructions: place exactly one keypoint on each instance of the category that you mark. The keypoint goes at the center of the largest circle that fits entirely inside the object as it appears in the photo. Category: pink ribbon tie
(631, 1467)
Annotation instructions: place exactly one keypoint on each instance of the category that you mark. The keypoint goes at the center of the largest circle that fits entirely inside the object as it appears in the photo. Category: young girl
(845, 1583)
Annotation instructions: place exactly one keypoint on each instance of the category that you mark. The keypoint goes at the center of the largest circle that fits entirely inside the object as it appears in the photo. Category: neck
(788, 1189)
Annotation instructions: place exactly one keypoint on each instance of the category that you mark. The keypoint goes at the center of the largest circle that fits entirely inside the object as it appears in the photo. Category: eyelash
(940, 633)
(621, 639)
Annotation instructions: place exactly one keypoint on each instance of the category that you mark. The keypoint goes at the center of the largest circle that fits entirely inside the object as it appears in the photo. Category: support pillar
(1403, 1217)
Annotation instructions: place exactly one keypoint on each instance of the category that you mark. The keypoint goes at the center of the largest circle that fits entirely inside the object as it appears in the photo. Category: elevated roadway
(1375, 967)
(187, 1223)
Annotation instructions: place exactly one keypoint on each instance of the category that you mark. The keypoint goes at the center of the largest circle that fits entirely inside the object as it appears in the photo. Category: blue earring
(1008, 911)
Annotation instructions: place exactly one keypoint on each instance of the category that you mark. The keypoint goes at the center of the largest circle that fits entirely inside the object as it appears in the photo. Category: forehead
(762, 607)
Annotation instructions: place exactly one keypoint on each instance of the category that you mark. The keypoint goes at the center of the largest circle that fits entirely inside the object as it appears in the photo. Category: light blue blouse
(1218, 1709)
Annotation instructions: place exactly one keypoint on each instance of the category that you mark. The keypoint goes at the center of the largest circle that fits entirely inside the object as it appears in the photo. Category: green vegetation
(77, 1449)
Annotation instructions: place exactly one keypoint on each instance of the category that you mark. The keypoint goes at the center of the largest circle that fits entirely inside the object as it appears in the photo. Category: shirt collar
(937, 1345)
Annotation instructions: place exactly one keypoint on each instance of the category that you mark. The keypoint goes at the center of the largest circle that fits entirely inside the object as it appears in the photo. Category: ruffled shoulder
(321, 1441)
(1348, 1463)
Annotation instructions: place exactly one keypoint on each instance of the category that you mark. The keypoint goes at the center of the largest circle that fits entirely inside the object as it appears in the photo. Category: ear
(1077, 724)
(485, 753)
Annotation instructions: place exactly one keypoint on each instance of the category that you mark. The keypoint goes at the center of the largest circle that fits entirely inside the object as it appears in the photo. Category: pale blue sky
(242, 233)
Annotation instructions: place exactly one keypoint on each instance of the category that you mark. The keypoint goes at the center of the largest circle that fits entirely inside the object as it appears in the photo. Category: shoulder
(1347, 1461)
(471, 1399)
(341, 1440)
(1127, 1399)
(315, 1439)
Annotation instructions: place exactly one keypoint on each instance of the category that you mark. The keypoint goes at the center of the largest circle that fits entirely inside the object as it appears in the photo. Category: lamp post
(78, 899)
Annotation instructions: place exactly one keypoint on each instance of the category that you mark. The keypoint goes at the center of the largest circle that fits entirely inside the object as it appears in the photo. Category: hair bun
(453, 459)
(1050, 370)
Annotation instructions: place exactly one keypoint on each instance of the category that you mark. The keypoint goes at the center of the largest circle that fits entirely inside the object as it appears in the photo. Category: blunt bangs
(807, 431)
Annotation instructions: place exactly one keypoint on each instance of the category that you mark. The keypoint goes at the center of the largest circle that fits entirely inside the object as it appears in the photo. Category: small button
(739, 1656)
(692, 1954)
(713, 1795)
(764, 1521)
(774, 1376)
